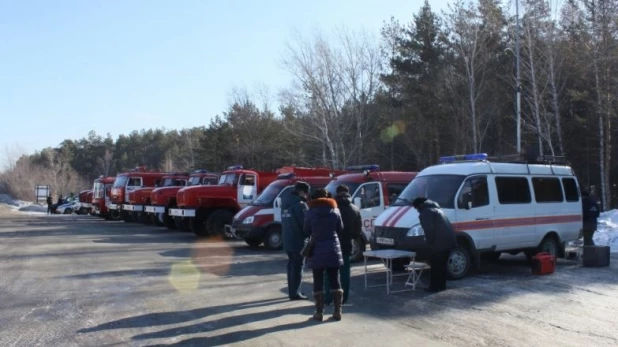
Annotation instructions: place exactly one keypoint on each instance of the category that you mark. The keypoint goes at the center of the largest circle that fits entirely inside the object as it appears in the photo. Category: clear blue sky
(113, 66)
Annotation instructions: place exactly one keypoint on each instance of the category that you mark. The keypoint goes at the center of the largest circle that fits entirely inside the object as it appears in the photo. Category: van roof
(487, 167)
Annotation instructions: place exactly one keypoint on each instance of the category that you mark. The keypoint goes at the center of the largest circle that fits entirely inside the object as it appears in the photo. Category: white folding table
(387, 255)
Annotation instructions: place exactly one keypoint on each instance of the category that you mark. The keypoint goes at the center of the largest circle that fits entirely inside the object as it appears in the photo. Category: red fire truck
(101, 198)
(164, 198)
(207, 209)
(85, 202)
(139, 198)
(260, 221)
(130, 181)
(372, 191)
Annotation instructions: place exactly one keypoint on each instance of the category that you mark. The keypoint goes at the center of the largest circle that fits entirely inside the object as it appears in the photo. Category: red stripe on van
(394, 212)
(517, 222)
(399, 215)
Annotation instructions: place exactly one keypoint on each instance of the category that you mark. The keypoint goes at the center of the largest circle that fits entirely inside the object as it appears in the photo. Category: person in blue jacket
(293, 208)
(323, 223)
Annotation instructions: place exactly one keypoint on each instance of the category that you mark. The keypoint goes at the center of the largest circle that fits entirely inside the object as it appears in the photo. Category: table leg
(389, 275)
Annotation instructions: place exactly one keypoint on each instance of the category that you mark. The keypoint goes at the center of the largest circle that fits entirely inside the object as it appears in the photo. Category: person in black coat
(50, 202)
(293, 208)
(352, 229)
(591, 209)
(440, 240)
(323, 224)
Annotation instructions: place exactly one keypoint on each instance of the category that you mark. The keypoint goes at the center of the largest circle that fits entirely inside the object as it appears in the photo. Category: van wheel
(273, 239)
(358, 247)
(458, 263)
(548, 245)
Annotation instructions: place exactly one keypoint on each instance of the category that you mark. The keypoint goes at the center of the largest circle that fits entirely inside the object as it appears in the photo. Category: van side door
(475, 212)
(515, 212)
(371, 204)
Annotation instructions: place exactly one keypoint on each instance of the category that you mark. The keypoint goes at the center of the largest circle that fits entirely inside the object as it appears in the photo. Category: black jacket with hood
(352, 222)
(439, 233)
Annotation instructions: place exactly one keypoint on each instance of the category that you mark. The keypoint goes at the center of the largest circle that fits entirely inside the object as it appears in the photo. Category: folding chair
(416, 271)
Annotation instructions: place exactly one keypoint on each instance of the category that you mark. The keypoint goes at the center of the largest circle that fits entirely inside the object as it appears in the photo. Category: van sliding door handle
(483, 218)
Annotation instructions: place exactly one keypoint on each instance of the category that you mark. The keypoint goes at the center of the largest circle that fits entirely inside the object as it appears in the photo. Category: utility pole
(518, 82)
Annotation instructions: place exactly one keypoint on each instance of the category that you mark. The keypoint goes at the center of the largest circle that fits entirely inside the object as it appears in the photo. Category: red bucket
(543, 264)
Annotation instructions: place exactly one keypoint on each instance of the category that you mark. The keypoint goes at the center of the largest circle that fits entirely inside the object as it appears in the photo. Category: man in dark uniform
(49, 204)
(293, 209)
(591, 209)
(440, 240)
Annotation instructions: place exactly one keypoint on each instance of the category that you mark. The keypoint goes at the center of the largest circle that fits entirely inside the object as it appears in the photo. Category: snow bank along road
(81, 281)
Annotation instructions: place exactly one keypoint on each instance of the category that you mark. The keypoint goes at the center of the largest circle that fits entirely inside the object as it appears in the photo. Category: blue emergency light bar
(200, 171)
(361, 168)
(463, 157)
(286, 175)
(235, 167)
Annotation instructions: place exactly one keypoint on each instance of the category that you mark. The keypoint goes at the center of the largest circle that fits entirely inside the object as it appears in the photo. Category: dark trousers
(439, 262)
(333, 279)
(344, 275)
(295, 273)
(589, 229)
(49, 208)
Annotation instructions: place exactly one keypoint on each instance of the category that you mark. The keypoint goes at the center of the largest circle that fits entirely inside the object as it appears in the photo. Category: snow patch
(7, 202)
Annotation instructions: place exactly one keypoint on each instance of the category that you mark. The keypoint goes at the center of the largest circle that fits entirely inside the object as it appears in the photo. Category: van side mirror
(357, 202)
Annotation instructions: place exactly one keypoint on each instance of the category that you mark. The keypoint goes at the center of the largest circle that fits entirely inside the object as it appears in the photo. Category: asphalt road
(81, 281)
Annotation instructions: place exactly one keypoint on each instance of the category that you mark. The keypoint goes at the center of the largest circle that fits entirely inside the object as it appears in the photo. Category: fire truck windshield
(120, 181)
(194, 181)
(332, 186)
(99, 189)
(227, 179)
(269, 194)
(439, 188)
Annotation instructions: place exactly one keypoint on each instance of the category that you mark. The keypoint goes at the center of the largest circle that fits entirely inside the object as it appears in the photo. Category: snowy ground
(8, 204)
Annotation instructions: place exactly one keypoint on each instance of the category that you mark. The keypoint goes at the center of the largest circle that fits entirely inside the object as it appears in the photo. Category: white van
(494, 207)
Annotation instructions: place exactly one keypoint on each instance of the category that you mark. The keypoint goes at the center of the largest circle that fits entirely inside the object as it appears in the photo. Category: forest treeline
(429, 85)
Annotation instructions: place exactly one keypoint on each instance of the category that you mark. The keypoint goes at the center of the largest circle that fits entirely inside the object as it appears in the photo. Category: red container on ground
(543, 264)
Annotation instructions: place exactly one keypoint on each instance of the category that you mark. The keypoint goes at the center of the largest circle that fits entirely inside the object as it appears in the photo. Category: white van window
(474, 190)
(570, 189)
(547, 189)
(394, 189)
(439, 188)
(369, 194)
(513, 190)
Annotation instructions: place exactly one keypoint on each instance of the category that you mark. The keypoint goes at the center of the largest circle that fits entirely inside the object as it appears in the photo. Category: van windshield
(439, 188)
(269, 194)
(332, 186)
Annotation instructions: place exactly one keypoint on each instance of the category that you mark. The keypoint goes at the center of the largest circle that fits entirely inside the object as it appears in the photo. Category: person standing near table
(440, 240)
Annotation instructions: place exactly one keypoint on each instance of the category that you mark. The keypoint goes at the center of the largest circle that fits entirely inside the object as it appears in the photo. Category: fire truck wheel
(273, 239)
(157, 219)
(358, 247)
(253, 243)
(169, 222)
(114, 215)
(198, 225)
(217, 220)
(182, 224)
(126, 216)
(144, 218)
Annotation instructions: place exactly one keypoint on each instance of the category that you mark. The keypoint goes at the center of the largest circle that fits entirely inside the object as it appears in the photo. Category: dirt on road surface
(82, 281)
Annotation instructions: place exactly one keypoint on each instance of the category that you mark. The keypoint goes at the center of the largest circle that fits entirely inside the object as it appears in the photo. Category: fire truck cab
(164, 198)
(84, 204)
(372, 192)
(101, 195)
(128, 182)
(207, 209)
(260, 221)
(140, 198)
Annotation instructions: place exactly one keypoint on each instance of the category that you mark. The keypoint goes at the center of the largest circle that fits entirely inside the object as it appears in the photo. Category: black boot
(319, 306)
(337, 303)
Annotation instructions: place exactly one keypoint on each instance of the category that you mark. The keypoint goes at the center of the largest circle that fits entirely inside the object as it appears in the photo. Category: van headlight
(416, 230)
(248, 220)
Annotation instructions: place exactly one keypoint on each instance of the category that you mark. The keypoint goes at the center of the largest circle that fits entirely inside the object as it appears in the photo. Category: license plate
(385, 241)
